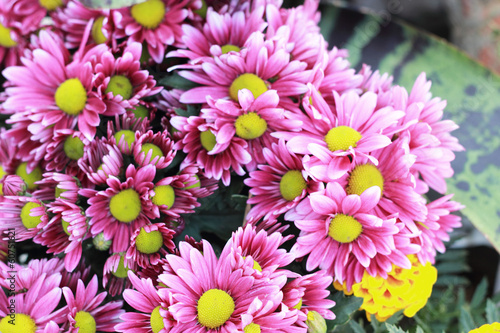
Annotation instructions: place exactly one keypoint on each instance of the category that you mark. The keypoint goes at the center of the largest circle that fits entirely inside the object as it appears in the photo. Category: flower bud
(315, 323)
(13, 185)
(101, 243)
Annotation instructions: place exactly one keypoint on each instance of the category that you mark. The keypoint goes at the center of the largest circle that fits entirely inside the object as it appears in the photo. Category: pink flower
(154, 148)
(13, 185)
(101, 160)
(123, 132)
(26, 215)
(64, 151)
(115, 278)
(86, 312)
(149, 243)
(269, 318)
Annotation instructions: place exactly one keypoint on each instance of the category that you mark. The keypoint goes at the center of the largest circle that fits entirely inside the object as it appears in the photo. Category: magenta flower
(149, 243)
(266, 317)
(85, 311)
(26, 215)
(115, 274)
(154, 148)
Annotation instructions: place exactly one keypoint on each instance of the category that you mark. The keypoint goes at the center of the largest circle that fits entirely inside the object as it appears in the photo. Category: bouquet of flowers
(126, 129)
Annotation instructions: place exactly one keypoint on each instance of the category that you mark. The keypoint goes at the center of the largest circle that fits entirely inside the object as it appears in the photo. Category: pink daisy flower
(85, 311)
(101, 160)
(12, 185)
(26, 215)
(57, 185)
(122, 132)
(154, 148)
(258, 250)
(120, 82)
(65, 96)
(253, 68)
(338, 75)
(115, 274)
(64, 150)
(220, 34)
(215, 159)
(172, 198)
(149, 243)
(252, 119)
(341, 227)
(267, 318)
(215, 302)
(155, 22)
(152, 315)
(277, 186)
(122, 207)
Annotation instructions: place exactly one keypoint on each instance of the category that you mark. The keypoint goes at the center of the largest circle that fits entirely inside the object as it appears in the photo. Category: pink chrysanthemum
(172, 197)
(100, 161)
(338, 75)
(154, 148)
(220, 34)
(64, 151)
(155, 22)
(266, 317)
(115, 278)
(122, 132)
(12, 185)
(215, 159)
(252, 119)
(122, 207)
(149, 243)
(35, 309)
(57, 185)
(260, 66)
(277, 186)
(51, 102)
(85, 311)
(260, 250)
(215, 302)
(341, 227)
(26, 215)
(120, 82)
(151, 304)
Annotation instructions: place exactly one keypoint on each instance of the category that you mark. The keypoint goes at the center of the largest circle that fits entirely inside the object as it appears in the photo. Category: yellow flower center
(27, 220)
(156, 320)
(125, 206)
(65, 226)
(155, 150)
(59, 191)
(298, 306)
(2, 174)
(341, 138)
(85, 322)
(140, 111)
(195, 185)
(149, 14)
(247, 81)
(363, 177)
(128, 135)
(292, 184)
(215, 307)
(5, 38)
(71, 96)
(120, 85)
(344, 228)
(73, 148)
(29, 178)
(229, 47)
(51, 4)
(121, 270)
(207, 139)
(256, 265)
(96, 31)
(164, 195)
(250, 126)
(21, 323)
(252, 328)
(149, 243)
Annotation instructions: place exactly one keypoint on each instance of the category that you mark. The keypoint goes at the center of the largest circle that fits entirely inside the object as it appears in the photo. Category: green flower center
(363, 177)
(5, 38)
(250, 126)
(252, 328)
(65, 226)
(27, 220)
(298, 306)
(121, 270)
(215, 307)
(164, 195)
(207, 139)
(344, 228)
(292, 184)
(229, 47)
(149, 243)
(247, 81)
(29, 178)
(140, 111)
(73, 148)
(85, 322)
(21, 323)
(59, 191)
(156, 320)
(71, 96)
(125, 206)
(203, 10)
(2, 174)
(128, 135)
(341, 138)
(96, 31)
(120, 85)
(155, 151)
(51, 4)
(149, 14)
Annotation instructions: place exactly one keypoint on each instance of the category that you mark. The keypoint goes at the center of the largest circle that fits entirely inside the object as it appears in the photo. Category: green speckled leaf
(472, 93)
(109, 3)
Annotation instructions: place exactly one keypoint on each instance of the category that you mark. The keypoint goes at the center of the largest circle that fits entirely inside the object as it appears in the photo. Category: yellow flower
(406, 289)
(487, 328)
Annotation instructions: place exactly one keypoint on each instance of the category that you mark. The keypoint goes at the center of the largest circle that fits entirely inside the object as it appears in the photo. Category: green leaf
(479, 294)
(356, 327)
(419, 330)
(394, 329)
(491, 312)
(466, 321)
(175, 81)
(345, 306)
(472, 93)
(111, 4)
